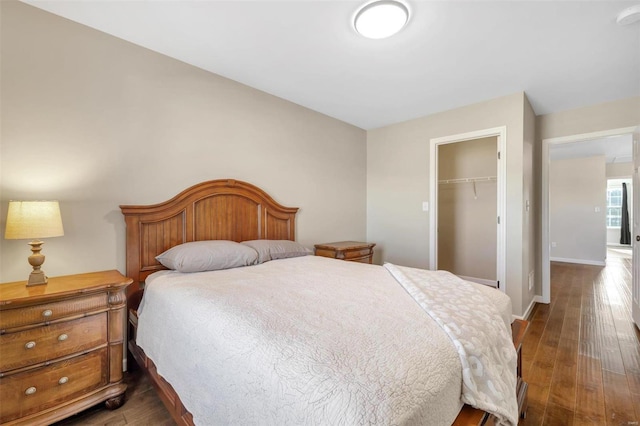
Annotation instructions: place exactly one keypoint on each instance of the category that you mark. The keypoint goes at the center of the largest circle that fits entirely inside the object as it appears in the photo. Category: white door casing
(635, 286)
(501, 134)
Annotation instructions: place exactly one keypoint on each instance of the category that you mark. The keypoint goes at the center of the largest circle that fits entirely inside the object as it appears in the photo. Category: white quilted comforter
(302, 341)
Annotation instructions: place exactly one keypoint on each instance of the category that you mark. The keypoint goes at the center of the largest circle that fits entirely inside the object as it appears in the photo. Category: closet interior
(468, 209)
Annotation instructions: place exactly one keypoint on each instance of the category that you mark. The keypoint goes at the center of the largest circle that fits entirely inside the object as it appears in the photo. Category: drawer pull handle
(30, 391)
(30, 345)
(63, 380)
(47, 313)
(62, 337)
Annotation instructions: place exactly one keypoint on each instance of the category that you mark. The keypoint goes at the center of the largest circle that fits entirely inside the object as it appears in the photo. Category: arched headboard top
(223, 209)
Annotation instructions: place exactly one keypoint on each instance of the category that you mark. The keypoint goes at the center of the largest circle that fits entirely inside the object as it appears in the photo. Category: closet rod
(471, 179)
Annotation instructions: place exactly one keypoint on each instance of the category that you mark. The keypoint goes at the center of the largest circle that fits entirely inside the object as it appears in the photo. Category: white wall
(96, 122)
(531, 267)
(577, 201)
(398, 183)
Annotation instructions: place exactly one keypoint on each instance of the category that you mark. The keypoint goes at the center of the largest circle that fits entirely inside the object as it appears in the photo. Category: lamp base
(37, 278)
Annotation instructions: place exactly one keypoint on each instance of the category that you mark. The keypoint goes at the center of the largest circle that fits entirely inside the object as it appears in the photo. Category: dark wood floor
(581, 356)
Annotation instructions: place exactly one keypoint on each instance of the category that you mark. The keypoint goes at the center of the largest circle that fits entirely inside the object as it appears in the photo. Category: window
(614, 207)
(614, 201)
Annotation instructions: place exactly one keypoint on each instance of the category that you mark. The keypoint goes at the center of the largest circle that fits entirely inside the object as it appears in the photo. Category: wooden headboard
(224, 209)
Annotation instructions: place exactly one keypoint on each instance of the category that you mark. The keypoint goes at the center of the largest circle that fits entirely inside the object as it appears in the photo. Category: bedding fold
(478, 333)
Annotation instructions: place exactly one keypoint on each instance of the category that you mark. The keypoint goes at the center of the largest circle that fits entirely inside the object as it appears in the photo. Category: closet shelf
(470, 179)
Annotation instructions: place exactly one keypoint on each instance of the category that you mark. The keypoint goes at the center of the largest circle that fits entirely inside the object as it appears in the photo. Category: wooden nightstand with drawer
(61, 346)
(353, 251)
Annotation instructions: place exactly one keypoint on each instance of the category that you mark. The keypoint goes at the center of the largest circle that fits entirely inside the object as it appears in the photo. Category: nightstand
(61, 346)
(353, 251)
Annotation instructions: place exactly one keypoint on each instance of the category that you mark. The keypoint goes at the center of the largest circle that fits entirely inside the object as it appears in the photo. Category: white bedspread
(302, 341)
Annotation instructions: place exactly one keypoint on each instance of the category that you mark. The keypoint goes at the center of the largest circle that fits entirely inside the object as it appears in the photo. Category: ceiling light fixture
(381, 19)
(629, 15)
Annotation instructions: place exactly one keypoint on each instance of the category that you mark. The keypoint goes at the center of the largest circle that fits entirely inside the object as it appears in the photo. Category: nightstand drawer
(35, 390)
(355, 254)
(47, 312)
(364, 259)
(50, 342)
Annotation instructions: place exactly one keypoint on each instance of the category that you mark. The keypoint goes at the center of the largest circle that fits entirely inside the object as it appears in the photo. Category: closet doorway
(467, 199)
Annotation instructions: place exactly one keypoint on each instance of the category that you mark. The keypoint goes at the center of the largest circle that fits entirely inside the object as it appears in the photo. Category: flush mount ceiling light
(381, 19)
(629, 15)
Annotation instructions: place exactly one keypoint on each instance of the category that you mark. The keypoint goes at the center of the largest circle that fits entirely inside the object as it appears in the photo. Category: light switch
(425, 206)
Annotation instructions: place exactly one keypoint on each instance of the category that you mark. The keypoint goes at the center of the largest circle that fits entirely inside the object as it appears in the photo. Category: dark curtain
(625, 233)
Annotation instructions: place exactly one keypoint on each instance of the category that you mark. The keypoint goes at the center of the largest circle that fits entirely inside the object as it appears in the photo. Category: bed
(298, 340)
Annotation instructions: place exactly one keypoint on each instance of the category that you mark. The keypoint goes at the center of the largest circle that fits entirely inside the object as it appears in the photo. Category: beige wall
(619, 170)
(467, 242)
(594, 118)
(398, 183)
(96, 122)
(577, 188)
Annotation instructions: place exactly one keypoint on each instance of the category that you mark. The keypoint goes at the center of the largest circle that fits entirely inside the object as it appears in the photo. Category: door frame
(635, 228)
(501, 183)
(545, 238)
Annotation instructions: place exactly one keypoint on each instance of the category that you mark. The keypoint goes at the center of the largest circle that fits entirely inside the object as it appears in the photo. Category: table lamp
(34, 220)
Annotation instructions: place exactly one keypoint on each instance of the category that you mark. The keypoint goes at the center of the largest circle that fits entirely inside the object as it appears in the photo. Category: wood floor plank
(537, 396)
(618, 401)
(590, 392)
(142, 407)
(537, 323)
(635, 399)
(631, 360)
(557, 415)
(563, 383)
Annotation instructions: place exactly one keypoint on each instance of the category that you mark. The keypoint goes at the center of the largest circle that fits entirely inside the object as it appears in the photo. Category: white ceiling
(616, 149)
(563, 54)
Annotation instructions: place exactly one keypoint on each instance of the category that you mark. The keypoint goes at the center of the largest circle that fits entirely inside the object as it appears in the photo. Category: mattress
(307, 340)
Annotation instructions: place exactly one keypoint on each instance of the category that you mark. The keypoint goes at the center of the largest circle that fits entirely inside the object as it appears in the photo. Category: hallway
(581, 355)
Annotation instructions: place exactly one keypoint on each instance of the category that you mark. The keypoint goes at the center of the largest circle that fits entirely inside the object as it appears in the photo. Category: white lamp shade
(33, 219)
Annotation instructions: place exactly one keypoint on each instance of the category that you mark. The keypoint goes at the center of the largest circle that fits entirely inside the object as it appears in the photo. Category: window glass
(614, 201)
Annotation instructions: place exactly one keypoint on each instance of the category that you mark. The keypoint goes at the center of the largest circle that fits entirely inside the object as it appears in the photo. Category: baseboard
(540, 299)
(527, 312)
(482, 281)
(579, 261)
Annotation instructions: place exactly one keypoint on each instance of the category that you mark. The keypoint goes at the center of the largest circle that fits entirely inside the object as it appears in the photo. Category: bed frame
(223, 209)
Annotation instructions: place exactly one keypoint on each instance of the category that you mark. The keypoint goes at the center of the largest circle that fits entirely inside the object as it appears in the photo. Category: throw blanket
(484, 345)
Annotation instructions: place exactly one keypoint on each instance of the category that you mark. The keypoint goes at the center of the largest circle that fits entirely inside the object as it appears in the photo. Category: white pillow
(211, 255)
(277, 249)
